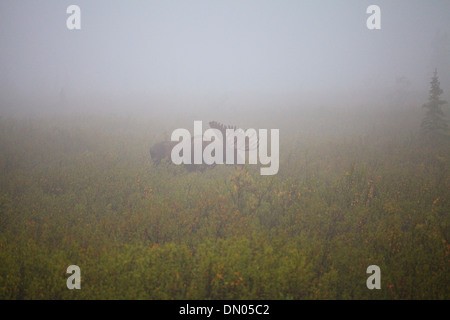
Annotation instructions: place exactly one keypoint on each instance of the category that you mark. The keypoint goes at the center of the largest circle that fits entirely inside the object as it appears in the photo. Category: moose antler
(249, 144)
(222, 128)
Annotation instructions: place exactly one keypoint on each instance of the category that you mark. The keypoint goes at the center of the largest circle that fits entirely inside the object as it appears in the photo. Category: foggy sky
(132, 53)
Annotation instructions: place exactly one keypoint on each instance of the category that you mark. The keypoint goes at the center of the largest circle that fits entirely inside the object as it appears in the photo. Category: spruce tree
(434, 122)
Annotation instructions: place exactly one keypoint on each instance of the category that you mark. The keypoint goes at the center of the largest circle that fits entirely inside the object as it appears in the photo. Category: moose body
(162, 150)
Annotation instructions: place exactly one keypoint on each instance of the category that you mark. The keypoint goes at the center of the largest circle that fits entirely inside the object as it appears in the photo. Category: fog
(342, 167)
(185, 56)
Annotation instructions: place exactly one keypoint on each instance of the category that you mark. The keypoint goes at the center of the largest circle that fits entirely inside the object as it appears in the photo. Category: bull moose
(162, 150)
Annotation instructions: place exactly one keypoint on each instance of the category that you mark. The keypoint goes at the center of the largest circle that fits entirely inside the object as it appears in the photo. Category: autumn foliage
(85, 192)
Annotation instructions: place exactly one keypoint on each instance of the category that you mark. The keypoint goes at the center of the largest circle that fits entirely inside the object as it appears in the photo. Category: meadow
(356, 187)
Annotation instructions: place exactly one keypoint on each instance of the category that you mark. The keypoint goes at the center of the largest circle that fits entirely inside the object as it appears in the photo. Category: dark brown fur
(162, 150)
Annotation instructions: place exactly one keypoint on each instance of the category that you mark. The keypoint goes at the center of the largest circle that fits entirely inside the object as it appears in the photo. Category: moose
(162, 150)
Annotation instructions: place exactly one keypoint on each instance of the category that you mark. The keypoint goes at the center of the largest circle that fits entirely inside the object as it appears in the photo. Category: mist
(157, 56)
(345, 125)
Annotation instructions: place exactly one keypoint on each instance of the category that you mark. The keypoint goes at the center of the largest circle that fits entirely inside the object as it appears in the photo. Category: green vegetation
(84, 191)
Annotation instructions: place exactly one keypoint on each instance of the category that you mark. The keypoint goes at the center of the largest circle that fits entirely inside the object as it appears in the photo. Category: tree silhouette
(434, 123)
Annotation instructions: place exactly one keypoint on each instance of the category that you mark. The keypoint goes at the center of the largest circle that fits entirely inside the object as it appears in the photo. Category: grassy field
(355, 188)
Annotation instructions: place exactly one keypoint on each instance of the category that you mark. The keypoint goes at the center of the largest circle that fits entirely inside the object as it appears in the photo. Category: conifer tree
(434, 122)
